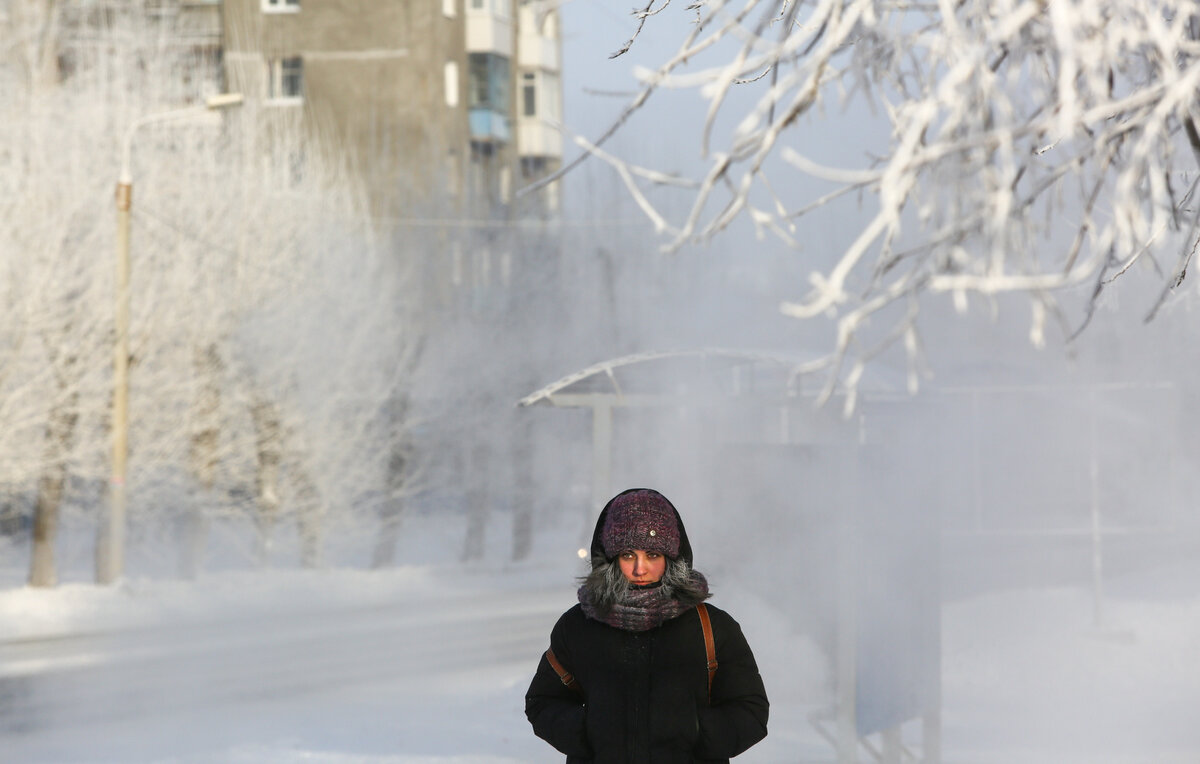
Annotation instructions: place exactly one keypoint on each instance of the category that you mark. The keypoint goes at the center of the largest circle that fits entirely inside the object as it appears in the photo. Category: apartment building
(440, 105)
(442, 108)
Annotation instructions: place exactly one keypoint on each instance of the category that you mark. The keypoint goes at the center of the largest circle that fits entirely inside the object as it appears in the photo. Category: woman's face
(641, 567)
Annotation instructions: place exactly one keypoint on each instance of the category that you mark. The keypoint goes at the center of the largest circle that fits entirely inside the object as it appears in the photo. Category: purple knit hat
(640, 520)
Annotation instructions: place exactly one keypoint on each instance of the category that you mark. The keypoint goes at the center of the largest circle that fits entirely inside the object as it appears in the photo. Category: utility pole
(110, 545)
(110, 540)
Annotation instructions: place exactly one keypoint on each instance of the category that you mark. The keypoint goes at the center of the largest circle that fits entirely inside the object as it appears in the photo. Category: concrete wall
(374, 88)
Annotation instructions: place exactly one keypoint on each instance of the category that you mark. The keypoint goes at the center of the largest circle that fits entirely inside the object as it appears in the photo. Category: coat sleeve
(737, 716)
(556, 712)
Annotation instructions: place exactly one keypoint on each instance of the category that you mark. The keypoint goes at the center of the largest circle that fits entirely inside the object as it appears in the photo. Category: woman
(634, 653)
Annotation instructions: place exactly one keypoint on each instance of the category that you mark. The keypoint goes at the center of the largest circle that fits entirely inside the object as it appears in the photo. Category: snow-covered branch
(1030, 147)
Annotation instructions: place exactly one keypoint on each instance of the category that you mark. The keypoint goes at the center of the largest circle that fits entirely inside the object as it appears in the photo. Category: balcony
(537, 52)
(537, 41)
(537, 139)
(489, 32)
(489, 125)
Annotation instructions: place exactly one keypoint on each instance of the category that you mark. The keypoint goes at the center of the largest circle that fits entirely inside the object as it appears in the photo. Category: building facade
(441, 106)
(443, 109)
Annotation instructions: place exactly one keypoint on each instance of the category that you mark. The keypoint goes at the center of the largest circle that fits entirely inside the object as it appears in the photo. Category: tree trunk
(477, 509)
(384, 554)
(267, 432)
(523, 494)
(59, 433)
(392, 511)
(45, 527)
(202, 456)
(310, 515)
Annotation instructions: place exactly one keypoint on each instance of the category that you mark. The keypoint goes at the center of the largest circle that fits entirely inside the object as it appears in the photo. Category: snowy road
(429, 666)
(78, 678)
(65, 686)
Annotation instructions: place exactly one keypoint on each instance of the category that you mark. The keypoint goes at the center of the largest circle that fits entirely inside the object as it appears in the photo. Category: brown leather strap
(710, 647)
(710, 651)
(566, 677)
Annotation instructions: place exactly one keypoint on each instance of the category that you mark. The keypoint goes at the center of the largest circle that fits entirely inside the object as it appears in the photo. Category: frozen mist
(1042, 499)
(429, 663)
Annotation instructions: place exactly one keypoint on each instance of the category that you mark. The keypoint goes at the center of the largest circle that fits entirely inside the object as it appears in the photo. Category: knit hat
(641, 519)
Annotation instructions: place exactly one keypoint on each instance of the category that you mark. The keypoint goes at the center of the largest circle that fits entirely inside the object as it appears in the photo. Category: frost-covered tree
(1030, 147)
(267, 331)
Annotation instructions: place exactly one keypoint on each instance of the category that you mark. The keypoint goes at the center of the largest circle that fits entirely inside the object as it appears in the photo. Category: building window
(489, 82)
(280, 6)
(528, 94)
(285, 79)
(451, 73)
(552, 96)
(540, 95)
(488, 93)
(533, 168)
(500, 8)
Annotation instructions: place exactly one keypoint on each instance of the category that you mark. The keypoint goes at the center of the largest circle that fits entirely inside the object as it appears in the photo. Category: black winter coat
(645, 694)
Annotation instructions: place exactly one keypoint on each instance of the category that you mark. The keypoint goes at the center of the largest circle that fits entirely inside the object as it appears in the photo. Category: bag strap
(566, 677)
(710, 651)
(710, 647)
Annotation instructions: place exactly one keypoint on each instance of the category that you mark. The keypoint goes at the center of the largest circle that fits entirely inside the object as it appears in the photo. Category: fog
(1013, 465)
(931, 549)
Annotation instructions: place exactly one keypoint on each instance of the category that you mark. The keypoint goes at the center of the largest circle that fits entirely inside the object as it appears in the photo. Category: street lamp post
(110, 546)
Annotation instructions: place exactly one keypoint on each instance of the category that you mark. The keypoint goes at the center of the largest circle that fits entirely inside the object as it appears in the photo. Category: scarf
(644, 607)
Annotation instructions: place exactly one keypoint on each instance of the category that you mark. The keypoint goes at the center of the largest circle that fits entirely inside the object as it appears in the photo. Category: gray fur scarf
(607, 596)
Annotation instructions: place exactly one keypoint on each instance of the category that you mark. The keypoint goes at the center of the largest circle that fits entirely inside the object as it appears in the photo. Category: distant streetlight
(110, 546)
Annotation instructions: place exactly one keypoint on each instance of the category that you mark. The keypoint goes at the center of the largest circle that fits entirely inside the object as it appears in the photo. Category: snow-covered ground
(428, 665)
